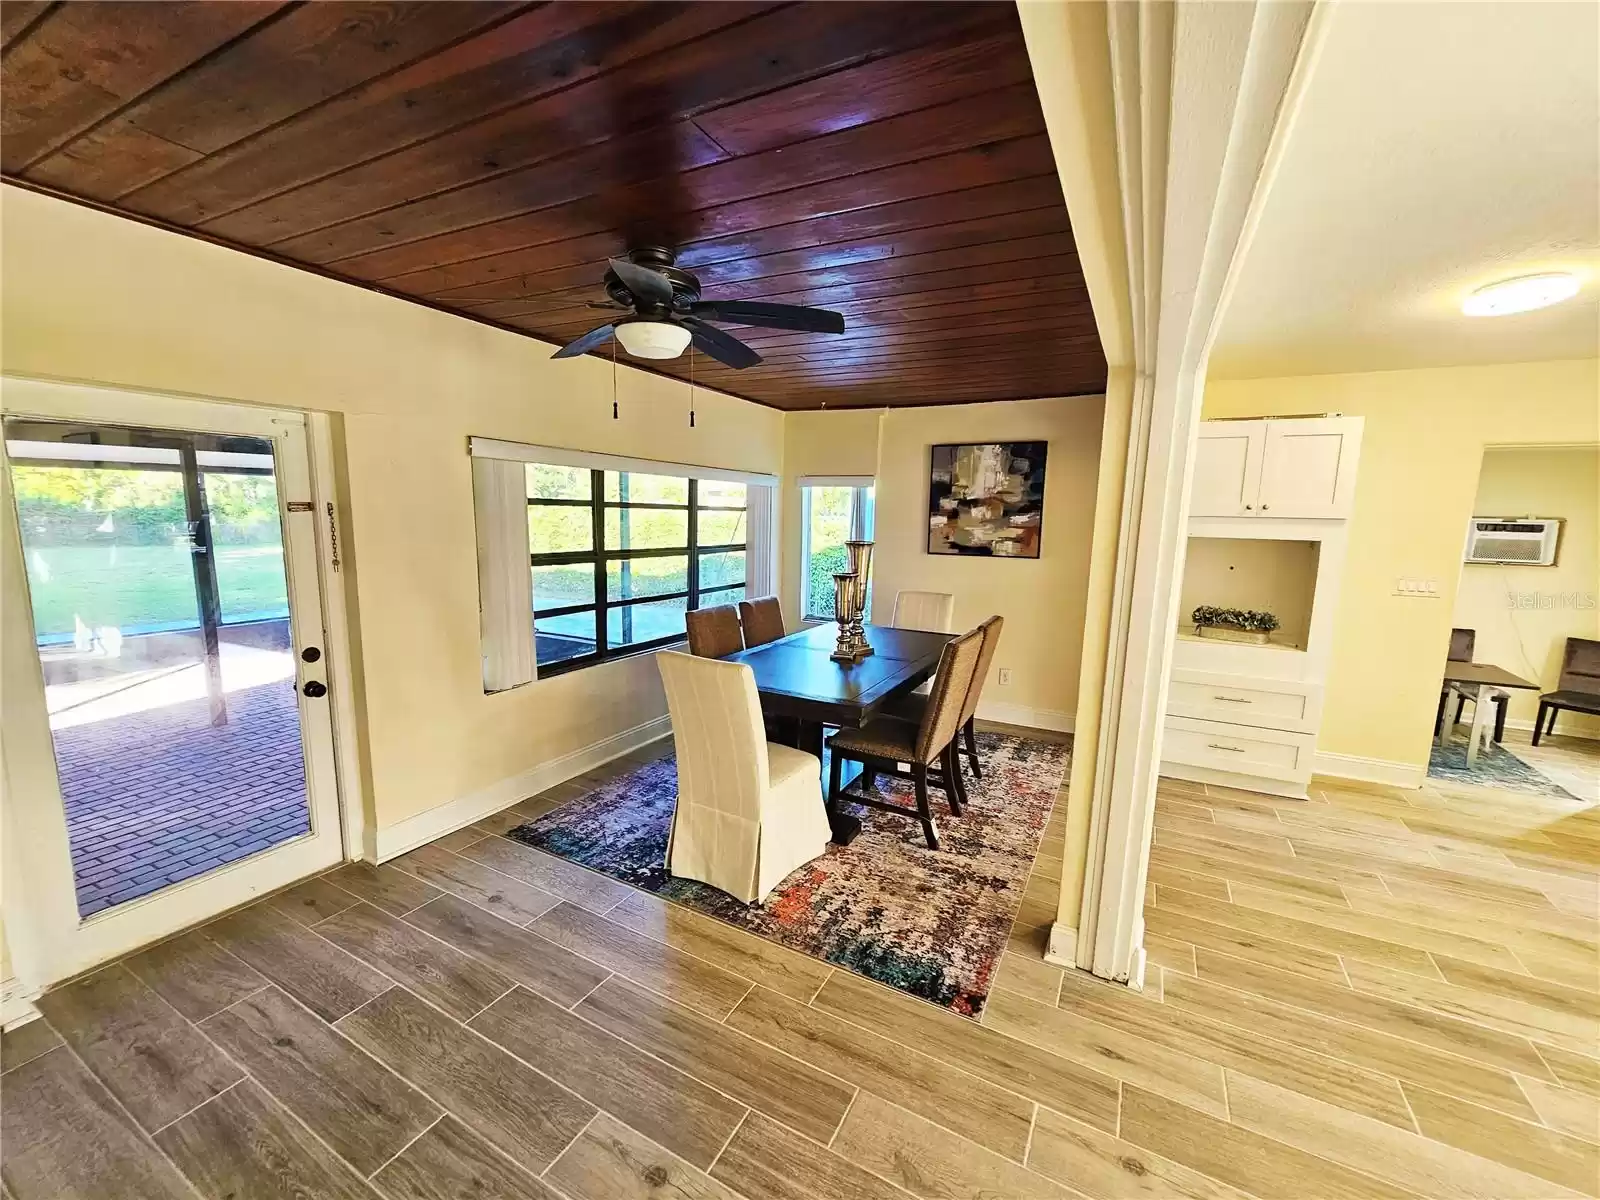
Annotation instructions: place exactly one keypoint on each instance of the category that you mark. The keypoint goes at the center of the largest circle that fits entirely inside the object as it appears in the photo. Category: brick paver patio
(159, 796)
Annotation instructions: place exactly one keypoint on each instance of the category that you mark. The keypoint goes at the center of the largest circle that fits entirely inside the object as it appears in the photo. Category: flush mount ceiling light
(653, 339)
(1523, 294)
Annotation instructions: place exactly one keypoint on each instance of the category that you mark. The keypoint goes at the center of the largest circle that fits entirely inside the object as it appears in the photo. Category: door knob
(315, 690)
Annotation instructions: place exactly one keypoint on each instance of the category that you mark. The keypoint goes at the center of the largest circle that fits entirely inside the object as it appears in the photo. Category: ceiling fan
(668, 314)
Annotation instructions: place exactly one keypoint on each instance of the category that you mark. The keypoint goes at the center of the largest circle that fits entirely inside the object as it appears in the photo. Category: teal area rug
(1496, 767)
(931, 923)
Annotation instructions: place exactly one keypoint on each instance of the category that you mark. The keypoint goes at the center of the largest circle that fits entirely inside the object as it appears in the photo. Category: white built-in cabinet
(1241, 715)
(1290, 467)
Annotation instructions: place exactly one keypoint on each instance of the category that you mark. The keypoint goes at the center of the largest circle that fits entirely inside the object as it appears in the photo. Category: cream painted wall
(1042, 600)
(1425, 434)
(93, 297)
(840, 442)
(1523, 615)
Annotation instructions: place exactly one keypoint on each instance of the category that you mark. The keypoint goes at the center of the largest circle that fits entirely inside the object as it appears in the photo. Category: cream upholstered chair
(749, 811)
(934, 612)
(912, 707)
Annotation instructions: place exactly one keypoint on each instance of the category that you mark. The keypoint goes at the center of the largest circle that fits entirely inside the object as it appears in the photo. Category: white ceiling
(1441, 146)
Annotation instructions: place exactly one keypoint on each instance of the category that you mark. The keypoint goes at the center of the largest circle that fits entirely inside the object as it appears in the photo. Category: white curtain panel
(505, 579)
(761, 532)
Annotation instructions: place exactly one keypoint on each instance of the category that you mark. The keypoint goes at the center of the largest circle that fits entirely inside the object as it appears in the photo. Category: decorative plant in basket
(1234, 624)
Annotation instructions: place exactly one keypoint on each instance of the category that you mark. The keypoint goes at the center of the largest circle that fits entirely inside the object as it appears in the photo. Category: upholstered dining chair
(749, 811)
(714, 632)
(913, 706)
(1462, 644)
(1577, 689)
(934, 612)
(762, 620)
(882, 744)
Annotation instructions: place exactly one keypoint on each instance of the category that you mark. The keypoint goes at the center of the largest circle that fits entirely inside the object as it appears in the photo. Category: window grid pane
(594, 602)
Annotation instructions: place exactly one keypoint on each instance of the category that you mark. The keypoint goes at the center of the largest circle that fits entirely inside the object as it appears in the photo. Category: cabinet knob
(1263, 508)
(1247, 508)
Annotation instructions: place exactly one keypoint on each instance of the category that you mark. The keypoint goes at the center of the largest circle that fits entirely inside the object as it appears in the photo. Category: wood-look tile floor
(1374, 993)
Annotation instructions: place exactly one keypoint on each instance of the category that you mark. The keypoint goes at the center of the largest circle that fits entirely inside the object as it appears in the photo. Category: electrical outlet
(1005, 677)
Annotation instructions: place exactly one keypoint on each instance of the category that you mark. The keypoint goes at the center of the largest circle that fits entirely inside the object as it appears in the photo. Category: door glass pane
(559, 529)
(645, 622)
(155, 567)
(647, 529)
(631, 578)
(563, 586)
(556, 639)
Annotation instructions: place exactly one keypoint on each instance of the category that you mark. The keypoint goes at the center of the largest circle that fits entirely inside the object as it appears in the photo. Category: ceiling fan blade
(723, 347)
(648, 287)
(772, 316)
(595, 337)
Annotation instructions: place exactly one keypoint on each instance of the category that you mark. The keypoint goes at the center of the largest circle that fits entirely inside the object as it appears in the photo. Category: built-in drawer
(1241, 700)
(1242, 749)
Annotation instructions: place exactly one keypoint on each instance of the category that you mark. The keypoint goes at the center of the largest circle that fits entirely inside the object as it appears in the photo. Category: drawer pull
(1233, 699)
(1235, 749)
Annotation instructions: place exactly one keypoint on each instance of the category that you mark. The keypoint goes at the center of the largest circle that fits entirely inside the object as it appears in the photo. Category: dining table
(799, 681)
(1480, 683)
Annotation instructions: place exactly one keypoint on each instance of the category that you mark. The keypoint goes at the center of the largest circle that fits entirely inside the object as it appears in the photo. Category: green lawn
(139, 586)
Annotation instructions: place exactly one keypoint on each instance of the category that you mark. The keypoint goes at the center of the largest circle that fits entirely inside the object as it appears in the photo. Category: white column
(1196, 100)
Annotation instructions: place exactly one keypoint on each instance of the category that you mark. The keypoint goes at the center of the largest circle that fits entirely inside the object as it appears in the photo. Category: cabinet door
(1309, 467)
(1227, 468)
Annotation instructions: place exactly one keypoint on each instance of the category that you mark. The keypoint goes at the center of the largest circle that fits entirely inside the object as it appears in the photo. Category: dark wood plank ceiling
(888, 160)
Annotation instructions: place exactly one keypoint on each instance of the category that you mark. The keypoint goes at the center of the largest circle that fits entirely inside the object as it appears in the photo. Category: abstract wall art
(987, 498)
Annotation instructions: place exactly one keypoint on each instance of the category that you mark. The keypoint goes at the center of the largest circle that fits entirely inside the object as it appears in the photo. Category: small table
(1480, 683)
(797, 679)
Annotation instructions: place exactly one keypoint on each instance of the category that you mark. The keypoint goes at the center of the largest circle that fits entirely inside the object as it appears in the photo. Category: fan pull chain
(614, 379)
(691, 385)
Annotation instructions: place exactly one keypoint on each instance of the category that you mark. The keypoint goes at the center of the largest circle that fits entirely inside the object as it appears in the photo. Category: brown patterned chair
(881, 745)
(912, 707)
(762, 620)
(714, 632)
(1578, 688)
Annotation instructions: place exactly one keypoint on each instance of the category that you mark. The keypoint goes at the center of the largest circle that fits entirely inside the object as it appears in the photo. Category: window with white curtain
(832, 511)
(587, 557)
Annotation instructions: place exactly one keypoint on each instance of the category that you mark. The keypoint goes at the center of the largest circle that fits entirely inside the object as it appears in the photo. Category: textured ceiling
(1440, 147)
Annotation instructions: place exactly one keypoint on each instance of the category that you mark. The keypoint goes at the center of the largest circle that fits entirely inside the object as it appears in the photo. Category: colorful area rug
(1496, 767)
(931, 923)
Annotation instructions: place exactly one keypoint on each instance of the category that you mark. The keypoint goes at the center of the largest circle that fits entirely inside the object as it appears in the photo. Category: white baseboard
(16, 1004)
(1527, 727)
(1063, 948)
(1021, 714)
(1369, 770)
(415, 831)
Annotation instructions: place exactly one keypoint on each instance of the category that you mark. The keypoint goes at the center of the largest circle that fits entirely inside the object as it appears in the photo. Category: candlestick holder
(858, 559)
(844, 599)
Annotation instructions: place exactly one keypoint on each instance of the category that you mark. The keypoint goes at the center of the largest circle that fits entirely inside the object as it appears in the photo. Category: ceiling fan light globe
(653, 339)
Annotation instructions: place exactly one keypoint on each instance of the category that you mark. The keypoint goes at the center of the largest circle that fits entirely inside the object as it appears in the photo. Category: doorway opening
(160, 599)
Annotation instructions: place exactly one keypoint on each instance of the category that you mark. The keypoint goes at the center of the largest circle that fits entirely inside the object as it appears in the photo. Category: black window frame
(600, 557)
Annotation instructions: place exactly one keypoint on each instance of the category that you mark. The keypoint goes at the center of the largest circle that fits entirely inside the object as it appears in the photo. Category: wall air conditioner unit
(1522, 541)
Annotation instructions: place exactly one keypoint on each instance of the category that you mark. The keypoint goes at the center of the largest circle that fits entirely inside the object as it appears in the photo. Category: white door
(1309, 468)
(1227, 468)
(168, 744)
